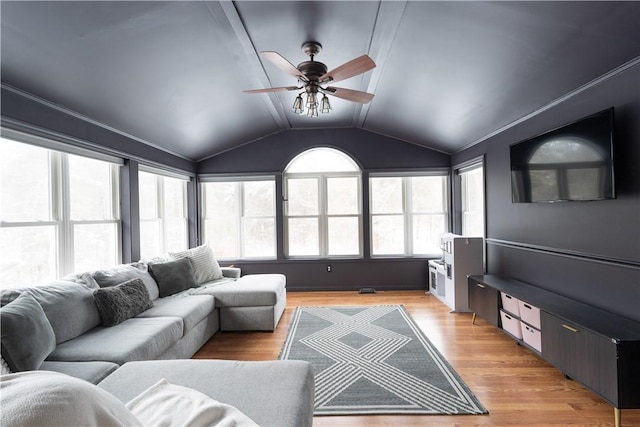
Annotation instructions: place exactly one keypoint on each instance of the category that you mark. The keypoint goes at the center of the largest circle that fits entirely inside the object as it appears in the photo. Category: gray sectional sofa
(135, 352)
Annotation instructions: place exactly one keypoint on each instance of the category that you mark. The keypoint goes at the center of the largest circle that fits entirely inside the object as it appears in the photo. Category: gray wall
(26, 110)
(588, 251)
(373, 152)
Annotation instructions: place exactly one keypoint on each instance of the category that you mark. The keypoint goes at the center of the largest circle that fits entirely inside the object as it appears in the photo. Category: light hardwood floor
(515, 385)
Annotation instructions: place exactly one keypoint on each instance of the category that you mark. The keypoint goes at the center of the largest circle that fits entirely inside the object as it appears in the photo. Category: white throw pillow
(205, 265)
(42, 398)
(165, 404)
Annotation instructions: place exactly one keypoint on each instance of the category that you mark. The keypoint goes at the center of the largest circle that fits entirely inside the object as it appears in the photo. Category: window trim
(161, 219)
(323, 216)
(50, 143)
(407, 208)
(459, 169)
(164, 172)
(234, 178)
(60, 199)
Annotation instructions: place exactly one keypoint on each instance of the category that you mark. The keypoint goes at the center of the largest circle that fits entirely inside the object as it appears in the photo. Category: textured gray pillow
(122, 273)
(118, 303)
(27, 335)
(173, 276)
(205, 265)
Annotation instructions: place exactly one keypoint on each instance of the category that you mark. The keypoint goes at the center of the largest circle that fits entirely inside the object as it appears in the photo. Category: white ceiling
(172, 73)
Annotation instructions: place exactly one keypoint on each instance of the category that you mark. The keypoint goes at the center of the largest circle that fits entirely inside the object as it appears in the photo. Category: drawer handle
(479, 285)
(527, 306)
(570, 328)
(508, 296)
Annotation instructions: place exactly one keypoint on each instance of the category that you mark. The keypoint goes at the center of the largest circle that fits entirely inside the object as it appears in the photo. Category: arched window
(323, 209)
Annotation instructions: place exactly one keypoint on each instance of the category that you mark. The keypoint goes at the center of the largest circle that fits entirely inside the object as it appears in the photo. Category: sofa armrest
(231, 272)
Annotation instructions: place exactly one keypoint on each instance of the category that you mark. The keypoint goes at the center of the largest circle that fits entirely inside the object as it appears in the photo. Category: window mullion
(323, 217)
(115, 208)
(161, 213)
(66, 243)
(115, 191)
(445, 203)
(240, 214)
(408, 215)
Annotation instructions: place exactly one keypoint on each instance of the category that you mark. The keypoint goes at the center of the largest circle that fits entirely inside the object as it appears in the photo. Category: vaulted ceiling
(171, 74)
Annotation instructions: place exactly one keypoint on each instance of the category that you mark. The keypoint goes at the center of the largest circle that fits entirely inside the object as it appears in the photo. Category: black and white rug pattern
(375, 360)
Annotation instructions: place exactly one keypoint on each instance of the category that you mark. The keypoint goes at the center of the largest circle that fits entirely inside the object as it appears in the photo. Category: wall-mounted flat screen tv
(571, 163)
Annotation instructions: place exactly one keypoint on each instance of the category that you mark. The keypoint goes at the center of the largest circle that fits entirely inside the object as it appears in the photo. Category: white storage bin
(529, 314)
(511, 324)
(532, 336)
(510, 304)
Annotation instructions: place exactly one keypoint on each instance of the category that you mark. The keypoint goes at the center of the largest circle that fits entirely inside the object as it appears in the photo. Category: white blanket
(165, 404)
(41, 398)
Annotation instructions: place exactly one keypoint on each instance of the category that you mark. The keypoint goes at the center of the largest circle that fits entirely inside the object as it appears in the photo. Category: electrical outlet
(329, 268)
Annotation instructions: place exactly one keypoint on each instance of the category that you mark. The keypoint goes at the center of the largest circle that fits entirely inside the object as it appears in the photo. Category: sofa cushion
(122, 273)
(248, 291)
(173, 276)
(27, 335)
(121, 302)
(94, 372)
(133, 339)
(191, 309)
(42, 398)
(272, 393)
(204, 262)
(69, 307)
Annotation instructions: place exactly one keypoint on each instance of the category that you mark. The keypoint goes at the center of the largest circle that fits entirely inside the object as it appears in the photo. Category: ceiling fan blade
(352, 68)
(350, 95)
(272, 89)
(280, 62)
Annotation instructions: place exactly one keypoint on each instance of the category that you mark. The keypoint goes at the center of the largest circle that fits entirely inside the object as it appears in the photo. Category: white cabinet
(463, 256)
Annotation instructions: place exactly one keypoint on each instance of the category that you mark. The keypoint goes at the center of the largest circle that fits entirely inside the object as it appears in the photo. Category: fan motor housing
(312, 70)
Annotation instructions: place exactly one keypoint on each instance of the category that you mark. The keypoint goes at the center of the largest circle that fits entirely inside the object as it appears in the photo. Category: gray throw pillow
(27, 335)
(173, 276)
(122, 273)
(203, 260)
(121, 302)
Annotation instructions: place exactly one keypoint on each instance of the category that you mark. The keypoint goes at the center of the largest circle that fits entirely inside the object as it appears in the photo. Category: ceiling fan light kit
(312, 74)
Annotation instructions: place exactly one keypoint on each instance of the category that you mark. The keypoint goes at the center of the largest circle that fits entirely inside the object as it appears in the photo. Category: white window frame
(60, 198)
(240, 238)
(323, 216)
(461, 171)
(407, 212)
(161, 218)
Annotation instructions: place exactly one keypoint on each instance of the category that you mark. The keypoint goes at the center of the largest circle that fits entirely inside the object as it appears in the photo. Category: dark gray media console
(597, 348)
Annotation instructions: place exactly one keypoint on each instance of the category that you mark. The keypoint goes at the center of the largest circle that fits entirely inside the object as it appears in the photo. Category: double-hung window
(408, 213)
(472, 195)
(239, 217)
(163, 213)
(323, 215)
(59, 212)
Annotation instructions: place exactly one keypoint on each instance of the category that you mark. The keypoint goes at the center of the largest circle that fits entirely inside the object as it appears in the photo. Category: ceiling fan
(313, 76)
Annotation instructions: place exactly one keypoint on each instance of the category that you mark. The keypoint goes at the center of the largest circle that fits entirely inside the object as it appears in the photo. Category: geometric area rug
(375, 360)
